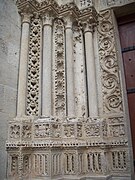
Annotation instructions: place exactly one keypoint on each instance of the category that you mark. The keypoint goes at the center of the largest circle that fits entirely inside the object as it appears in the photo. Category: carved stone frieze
(48, 147)
(111, 87)
(67, 130)
(112, 3)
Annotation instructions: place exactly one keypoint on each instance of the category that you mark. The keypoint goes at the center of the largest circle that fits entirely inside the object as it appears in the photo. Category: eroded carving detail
(41, 164)
(26, 165)
(112, 98)
(59, 69)
(41, 130)
(56, 130)
(69, 130)
(86, 3)
(69, 163)
(94, 162)
(57, 164)
(119, 160)
(117, 127)
(13, 169)
(118, 2)
(92, 130)
(34, 67)
(79, 71)
(14, 131)
(26, 131)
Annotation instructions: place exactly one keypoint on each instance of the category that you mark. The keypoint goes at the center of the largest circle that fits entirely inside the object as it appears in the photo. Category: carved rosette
(34, 67)
(59, 69)
(111, 88)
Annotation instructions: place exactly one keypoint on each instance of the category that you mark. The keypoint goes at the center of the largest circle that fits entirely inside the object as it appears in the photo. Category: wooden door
(127, 38)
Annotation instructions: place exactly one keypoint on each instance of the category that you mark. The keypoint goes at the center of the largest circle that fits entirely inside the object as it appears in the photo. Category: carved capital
(87, 27)
(47, 18)
(88, 19)
(69, 19)
(26, 17)
(68, 22)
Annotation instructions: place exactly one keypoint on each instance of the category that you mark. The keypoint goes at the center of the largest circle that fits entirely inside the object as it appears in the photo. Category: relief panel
(34, 67)
(69, 163)
(59, 84)
(56, 164)
(13, 165)
(119, 160)
(111, 88)
(94, 162)
(40, 164)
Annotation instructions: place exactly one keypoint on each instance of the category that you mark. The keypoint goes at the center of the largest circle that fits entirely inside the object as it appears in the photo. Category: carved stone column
(69, 67)
(47, 63)
(91, 73)
(21, 104)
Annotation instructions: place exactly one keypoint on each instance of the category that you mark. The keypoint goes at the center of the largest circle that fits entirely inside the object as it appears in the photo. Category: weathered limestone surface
(9, 58)
(68, 59)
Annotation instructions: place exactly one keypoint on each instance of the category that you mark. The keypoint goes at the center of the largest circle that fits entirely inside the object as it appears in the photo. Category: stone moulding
(114, 3)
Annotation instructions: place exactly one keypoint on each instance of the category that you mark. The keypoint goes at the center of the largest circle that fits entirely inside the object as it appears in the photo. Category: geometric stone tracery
(60, 145)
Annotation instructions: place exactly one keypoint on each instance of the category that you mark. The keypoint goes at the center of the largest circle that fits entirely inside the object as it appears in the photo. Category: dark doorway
(127, 39)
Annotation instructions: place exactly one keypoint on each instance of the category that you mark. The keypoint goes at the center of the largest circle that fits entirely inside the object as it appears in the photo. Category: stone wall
(9, 59)
(61, 144)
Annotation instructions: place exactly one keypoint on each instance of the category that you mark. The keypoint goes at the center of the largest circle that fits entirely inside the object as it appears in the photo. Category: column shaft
(47, 74)
(91, 74)
(70, 74)
(21, 104)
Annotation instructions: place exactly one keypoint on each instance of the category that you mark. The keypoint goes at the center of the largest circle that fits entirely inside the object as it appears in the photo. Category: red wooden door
(127, 38)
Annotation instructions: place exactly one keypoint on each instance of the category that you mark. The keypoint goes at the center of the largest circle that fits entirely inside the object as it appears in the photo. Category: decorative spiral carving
(112, 100)
(110, 81)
